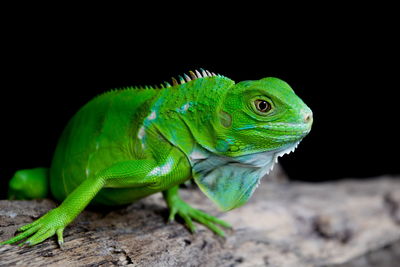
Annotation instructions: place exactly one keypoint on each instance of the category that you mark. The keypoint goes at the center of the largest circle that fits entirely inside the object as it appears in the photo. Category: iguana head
(257, 122)
(259, 116)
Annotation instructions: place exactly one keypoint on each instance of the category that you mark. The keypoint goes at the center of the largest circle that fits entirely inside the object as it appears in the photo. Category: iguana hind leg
(29, 184)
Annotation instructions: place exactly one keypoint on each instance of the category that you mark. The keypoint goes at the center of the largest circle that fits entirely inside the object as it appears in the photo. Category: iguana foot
(188, 214)
(51, 223)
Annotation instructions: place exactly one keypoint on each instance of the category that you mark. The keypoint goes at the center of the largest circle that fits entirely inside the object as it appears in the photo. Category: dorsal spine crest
(197, 74)
(182, 79)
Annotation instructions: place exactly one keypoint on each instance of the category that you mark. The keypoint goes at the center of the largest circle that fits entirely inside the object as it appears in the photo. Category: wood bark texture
(340, 223)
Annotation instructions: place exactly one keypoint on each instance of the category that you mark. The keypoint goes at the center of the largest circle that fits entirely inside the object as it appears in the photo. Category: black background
(348, 75)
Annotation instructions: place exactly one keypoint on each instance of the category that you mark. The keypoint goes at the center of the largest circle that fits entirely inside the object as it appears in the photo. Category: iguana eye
(262, 105)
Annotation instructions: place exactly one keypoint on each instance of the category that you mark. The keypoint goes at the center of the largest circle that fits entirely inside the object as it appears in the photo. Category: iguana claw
(188, 214)
(41, 229)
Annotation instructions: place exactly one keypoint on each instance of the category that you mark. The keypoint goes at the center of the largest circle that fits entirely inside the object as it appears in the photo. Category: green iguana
(126, 144)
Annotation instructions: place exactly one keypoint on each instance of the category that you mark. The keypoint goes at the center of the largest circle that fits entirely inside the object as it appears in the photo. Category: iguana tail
(29, 184)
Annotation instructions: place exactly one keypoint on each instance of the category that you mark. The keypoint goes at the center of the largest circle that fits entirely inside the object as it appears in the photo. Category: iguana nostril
(308, 118)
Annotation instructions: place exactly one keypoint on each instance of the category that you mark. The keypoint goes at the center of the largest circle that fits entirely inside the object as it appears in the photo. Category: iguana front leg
(57, 219)
(178, 206)
(128, 173)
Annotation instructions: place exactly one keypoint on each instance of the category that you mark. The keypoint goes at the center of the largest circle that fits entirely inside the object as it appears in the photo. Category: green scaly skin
(127, 144)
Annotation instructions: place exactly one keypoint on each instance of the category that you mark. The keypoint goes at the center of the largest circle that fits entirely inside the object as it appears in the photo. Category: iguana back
(102, 132)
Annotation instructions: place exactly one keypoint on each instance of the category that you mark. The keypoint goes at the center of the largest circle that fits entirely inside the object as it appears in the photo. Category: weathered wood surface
(345, 223)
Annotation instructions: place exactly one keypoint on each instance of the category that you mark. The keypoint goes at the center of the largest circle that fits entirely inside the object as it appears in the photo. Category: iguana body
(127, 144)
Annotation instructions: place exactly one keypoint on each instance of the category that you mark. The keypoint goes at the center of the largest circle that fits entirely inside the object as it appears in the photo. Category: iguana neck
(187, 114)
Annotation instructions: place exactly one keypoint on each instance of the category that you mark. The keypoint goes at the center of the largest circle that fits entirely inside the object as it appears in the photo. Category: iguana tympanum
(126, 144)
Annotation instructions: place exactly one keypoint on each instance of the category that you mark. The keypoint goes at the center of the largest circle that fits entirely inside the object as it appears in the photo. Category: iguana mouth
(281, 127)
(287, 132)
(283, 131)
